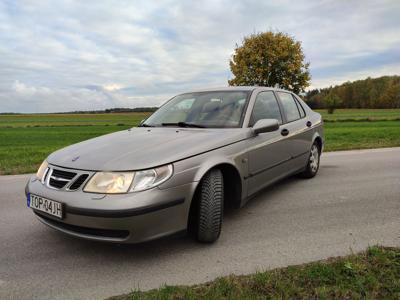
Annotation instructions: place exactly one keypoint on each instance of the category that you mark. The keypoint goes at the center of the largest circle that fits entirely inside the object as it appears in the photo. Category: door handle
(308, 123)
(285, 132)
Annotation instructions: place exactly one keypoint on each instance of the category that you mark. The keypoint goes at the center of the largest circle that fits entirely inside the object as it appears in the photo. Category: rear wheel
(211, 206)
(313, 162)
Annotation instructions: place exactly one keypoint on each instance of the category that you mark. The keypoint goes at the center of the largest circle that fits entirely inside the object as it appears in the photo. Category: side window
(265, 107)
(290, 106)
(300, 107)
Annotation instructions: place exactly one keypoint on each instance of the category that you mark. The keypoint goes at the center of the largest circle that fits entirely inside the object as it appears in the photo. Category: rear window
(290, 107)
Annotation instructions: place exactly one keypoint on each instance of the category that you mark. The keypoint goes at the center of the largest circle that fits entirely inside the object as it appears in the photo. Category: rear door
(297, 127)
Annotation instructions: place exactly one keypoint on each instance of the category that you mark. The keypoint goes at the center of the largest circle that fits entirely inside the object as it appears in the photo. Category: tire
(211, 206)
(313, 162)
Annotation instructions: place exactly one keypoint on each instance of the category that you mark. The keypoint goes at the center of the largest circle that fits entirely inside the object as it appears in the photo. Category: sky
(68, 55)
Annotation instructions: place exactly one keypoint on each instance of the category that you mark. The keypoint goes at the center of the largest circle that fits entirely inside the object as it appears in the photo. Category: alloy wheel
(314, 158)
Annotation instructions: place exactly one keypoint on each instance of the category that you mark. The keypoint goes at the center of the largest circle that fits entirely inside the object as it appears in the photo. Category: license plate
(48, 206)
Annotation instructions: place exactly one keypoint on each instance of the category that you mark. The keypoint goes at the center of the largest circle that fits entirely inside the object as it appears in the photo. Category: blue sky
(81, 55)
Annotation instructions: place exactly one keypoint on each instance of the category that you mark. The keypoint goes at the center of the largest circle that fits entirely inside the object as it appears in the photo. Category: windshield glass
(202, 109)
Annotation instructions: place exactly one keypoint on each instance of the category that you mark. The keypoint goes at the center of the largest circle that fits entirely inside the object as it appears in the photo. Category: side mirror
(265, 125)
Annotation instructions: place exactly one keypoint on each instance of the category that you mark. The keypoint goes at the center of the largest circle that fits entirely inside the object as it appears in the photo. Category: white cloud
(140, 53)
(25, 97)
(379, 71)
(112, 87)
(24, 90)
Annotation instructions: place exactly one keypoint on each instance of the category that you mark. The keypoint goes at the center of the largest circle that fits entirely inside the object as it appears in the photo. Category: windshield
(202, 109)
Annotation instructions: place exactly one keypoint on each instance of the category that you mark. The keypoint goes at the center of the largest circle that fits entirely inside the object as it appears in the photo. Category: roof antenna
(277, 86)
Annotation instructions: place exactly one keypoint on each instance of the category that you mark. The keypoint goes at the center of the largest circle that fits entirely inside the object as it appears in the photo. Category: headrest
(211, 106)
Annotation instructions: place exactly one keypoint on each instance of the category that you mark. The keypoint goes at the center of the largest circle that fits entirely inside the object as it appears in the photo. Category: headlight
(109, 183)
(42, 170)
(123, 182)
(150, 178)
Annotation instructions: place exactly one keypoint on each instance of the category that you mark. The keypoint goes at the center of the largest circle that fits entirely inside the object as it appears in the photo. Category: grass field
(22, 149)
(25, 140)
(361, 114)
(43, 120)
(361, 135)
(374, 274)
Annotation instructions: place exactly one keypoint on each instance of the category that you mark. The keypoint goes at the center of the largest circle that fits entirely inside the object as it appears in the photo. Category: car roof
(236, 88)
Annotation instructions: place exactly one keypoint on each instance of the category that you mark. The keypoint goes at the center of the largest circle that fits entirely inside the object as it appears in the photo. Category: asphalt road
(352, 203)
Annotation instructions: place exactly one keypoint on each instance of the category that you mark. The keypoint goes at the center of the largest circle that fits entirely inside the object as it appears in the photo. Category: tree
(332, 101)
(267, 59)
(391, 97)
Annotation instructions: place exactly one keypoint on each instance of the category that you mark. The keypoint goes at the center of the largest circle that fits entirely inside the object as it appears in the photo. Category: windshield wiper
(183, 124)
(145, 125)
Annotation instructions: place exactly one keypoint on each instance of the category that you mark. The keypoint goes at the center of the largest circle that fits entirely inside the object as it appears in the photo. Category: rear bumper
(127, 218)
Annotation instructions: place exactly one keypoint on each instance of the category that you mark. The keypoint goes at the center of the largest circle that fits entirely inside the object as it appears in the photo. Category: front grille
(59, 178)
(63, 174)
(77, 183)
(106, 233)
(57, 183)
(62, 179)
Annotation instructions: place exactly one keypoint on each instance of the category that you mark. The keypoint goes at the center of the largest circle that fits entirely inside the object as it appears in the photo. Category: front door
(268, 152)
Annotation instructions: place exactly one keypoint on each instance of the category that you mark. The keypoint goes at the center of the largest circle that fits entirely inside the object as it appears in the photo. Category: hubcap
(314, 158)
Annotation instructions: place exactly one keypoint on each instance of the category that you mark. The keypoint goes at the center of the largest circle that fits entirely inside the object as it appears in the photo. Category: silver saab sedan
(197, 153)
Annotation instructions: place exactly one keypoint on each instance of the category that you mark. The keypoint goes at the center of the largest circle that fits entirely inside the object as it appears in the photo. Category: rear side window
(290, 106)
(301, 108)
(265, 107)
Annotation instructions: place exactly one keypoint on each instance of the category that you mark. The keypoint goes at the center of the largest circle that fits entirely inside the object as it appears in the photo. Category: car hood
(142, 148)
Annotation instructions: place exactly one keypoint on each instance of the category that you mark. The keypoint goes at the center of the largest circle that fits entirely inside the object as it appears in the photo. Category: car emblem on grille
(75, 158)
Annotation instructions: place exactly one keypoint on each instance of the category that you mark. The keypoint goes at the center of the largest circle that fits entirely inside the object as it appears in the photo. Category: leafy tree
(332, 102)
(373, 97)
(267, 59)
(391, 99)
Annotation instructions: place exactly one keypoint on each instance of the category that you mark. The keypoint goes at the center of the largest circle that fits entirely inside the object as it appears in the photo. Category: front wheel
(313, 162)
(211, 206)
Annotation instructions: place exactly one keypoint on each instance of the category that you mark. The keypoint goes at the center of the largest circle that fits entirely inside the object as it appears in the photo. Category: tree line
(108, 110)
(112, 110)
(382, 92)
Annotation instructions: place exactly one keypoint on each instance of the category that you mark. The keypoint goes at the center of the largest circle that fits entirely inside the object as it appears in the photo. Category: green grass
(374, 274)
(25, 140)
(131, 119)
(22, 149)
(361, 135)
(36, 120)
(360, 115)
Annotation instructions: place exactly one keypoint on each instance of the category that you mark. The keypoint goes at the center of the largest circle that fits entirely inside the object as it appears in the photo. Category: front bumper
(122, 218)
